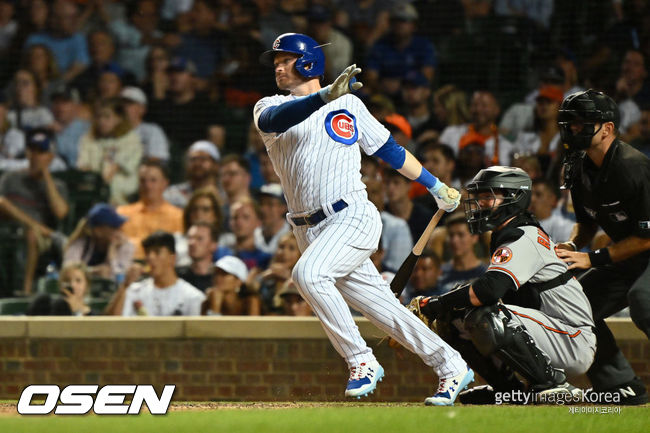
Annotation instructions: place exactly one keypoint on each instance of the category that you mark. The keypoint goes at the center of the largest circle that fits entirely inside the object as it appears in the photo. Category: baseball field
(342, 417)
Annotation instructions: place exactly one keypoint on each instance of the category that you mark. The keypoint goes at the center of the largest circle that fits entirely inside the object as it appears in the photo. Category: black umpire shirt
(615, 196)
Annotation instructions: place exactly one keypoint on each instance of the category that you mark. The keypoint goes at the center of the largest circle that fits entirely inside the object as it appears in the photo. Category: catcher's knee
(486, 326)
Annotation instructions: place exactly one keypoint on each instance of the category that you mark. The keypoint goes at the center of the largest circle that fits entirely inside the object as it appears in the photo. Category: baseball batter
(313, 136)
(543, 330)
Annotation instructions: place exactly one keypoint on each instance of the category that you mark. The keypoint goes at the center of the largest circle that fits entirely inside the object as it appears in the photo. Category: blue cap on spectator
(181, 64)
(273, 190)
(417, 79)
(103, 214)
(113, 68)
(319, 13)
(39, 140)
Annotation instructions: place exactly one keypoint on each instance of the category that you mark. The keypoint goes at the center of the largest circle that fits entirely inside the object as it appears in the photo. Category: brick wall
(225, 368)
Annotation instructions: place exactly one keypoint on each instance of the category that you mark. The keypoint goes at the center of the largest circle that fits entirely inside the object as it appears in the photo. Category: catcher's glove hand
(426, 308)
(344, 83)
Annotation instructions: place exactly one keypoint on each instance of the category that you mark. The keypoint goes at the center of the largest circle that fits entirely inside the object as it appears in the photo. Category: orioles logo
(341, 126)
(501, 256)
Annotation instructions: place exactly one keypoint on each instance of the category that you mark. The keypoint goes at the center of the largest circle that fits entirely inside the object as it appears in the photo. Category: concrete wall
(219, 358)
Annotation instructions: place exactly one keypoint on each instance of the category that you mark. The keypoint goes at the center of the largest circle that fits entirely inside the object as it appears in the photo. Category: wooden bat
(404, 273)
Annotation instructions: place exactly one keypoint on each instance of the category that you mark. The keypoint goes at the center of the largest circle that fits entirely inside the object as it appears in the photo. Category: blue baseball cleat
(363, 379)
(449, 388)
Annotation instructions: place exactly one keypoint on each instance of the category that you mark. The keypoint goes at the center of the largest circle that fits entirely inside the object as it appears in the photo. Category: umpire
(610, 187)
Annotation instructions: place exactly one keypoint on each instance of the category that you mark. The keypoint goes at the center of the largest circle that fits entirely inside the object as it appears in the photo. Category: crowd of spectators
(151, 102)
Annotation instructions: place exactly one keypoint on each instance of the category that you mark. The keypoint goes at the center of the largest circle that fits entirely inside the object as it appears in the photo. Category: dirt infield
(10, 408)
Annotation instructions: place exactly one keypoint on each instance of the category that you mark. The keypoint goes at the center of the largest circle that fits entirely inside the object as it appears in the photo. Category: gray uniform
(562, 327)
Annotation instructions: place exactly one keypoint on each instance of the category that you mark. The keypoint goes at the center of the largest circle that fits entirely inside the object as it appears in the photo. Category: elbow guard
(492, 286)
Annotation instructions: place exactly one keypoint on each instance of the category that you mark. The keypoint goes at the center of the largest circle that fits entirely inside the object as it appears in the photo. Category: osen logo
(80, 399)
(341, 125)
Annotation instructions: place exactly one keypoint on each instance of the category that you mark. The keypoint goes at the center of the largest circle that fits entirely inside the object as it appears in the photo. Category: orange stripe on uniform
(545, 326)
(507, 272)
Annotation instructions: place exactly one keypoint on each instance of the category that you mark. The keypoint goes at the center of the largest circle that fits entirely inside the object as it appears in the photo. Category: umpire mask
(584, 110)
(512, 185)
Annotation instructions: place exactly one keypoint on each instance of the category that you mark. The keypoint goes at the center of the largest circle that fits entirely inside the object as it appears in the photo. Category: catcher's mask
(509, 184)
(584, 110)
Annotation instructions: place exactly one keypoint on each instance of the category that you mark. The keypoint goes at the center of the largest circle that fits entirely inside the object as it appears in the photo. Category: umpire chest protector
(615, 196)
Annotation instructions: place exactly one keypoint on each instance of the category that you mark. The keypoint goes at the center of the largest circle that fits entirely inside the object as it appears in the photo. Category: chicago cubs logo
(342, 126)
(501, 256)
(276, 44)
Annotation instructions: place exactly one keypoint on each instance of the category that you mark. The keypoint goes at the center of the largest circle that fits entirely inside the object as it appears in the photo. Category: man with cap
(336, 46)
(100, 244)
(416, 96)
(154, 140)
(400, 52)
(69, 127)
(163, 293)
(34, 198)
(229, 294)
(609, 182)
(185, 113)
(201, 171)
(274, 225)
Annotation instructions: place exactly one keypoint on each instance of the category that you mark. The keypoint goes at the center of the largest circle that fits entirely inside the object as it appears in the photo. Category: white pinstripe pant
(335, 268)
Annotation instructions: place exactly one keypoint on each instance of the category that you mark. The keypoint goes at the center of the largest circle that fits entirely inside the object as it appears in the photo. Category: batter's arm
(407, 165)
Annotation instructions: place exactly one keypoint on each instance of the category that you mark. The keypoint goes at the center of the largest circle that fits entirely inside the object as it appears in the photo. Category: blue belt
(318, 216)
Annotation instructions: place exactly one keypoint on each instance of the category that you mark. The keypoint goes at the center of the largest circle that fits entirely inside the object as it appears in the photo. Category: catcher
(526, 314)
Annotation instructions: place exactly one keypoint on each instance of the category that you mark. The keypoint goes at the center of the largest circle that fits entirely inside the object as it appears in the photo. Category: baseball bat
(404, 273)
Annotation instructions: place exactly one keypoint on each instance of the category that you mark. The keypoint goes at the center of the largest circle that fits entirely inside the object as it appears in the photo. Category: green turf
(364, 418)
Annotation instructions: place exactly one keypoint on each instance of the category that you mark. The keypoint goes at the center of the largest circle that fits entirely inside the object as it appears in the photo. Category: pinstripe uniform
(562, 327)
(318, 162)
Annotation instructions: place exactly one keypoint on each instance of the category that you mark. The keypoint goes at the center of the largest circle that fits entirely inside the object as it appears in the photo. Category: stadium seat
(98, 305)
(11, 246)
(14, 306)
(85, 188)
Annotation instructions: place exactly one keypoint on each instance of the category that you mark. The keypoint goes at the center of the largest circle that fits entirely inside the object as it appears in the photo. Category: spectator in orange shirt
(151, 212)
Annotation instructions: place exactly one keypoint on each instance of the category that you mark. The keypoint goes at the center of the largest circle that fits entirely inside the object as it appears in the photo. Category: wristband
(573, 245)
(600, 257)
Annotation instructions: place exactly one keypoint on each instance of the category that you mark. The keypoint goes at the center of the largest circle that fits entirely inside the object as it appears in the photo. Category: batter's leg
(367, 292)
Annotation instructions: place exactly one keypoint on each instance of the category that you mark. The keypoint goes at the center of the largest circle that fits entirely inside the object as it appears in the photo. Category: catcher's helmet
(513, 183)
(586, 108)
(311, 62)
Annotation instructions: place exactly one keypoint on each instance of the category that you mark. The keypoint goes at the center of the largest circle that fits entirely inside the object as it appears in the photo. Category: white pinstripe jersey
(318, 160)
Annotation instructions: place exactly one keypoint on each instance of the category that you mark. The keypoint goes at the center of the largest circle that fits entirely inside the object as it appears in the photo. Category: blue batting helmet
(311, 62)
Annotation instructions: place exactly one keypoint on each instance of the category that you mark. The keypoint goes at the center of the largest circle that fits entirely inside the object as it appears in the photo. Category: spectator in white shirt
(163, 294)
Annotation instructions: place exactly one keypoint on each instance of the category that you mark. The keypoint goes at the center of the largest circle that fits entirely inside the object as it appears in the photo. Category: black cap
(66, 93)
(319, 13)
(552, 75)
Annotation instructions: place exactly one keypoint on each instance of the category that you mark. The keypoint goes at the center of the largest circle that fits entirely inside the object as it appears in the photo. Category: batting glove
(446, 198)
(344, 84)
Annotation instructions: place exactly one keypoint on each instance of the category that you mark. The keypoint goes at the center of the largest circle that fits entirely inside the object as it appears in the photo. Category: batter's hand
(446, 198)
(344, 84)
(575, 259)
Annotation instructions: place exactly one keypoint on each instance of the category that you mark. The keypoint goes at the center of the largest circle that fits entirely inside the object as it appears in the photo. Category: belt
(318, 216)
